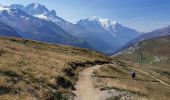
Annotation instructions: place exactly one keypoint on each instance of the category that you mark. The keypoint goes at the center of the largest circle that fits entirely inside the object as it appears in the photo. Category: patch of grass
(2, 51)
(144, 86)
(4, 90)
(9, 73)
(64, 82)
(114, 98)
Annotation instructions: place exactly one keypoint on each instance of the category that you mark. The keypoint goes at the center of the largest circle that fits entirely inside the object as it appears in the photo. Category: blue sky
(142, 15)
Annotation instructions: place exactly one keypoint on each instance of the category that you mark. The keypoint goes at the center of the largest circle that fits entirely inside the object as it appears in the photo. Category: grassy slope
(150, 48)
(117, 77)
(33, 70)
(158, 47)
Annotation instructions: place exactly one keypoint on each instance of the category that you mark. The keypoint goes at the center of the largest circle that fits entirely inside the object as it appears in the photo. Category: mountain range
(35, 21)
(30, 27)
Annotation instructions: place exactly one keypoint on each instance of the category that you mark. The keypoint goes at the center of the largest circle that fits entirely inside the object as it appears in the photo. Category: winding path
(159, 80)
(85, 89)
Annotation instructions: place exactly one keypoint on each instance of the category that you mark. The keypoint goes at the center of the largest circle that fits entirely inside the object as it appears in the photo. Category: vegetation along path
(145, 72)
(85, 89)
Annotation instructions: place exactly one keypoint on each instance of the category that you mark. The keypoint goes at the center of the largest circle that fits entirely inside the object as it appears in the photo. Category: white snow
(46, 17)
(36, 5)
(55, 20)
(105, 23)
(41, 16)
(93, 18)
(4, 8)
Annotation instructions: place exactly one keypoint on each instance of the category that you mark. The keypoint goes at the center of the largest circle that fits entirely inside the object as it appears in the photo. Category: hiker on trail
(133, 74)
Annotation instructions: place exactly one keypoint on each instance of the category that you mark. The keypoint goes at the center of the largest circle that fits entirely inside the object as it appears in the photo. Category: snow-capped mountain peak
(39, 11)
(5, 10)
(93, 18)
(102, 20)
(2, 8)
(36, 8)
(36, 5)
(104, 23)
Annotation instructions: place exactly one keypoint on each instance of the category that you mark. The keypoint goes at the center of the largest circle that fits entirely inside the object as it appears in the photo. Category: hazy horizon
(144, 15)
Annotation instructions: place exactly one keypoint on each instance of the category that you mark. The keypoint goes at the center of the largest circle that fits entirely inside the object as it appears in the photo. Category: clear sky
(142, 15)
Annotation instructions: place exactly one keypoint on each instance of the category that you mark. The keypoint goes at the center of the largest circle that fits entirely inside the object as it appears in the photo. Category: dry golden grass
(117, 76)
(41, 71)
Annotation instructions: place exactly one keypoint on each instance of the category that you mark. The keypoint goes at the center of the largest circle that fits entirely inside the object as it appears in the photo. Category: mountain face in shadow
(6, 30)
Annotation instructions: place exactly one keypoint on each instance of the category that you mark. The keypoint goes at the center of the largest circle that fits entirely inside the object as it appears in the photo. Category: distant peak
(93, 18)
(53, 12)
(36, 3)
(35, 9)
(114, 22)
(36, 6)
(4, 8)
(105, 22)
(17, 6)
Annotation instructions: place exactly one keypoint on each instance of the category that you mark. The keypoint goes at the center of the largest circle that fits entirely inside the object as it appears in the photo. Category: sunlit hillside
(33, 70)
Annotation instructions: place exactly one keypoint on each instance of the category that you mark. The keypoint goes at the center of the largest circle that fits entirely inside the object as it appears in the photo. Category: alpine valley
(36, 22)
(45, 57)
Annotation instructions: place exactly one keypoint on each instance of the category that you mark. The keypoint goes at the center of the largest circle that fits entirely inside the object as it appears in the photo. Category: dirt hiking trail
(85, 89)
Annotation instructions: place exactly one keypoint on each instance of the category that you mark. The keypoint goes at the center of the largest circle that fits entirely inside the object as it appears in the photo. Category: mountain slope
(156, 50)
(156, 33)
(34, 70)
(6, 30)
(147, 36)
(152, 58)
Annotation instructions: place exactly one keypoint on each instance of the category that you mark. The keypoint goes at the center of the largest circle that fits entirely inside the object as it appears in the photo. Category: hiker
(133, 74)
